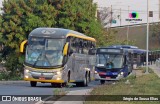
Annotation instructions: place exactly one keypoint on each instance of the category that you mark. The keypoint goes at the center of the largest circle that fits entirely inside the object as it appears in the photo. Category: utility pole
(111, 17)
(120, 16)
(147, 37)
(128, 26)
(159, 9)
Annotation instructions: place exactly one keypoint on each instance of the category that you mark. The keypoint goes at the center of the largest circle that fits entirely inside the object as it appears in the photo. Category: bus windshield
(42, 52)
(106, 59)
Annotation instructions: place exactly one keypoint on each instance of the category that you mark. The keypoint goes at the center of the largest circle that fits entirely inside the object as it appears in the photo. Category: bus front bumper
(97, 78)
(43, 76)
(44, 81)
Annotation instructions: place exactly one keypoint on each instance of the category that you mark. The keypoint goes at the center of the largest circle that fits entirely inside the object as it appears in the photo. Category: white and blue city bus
(137, 53)
(58, 56)
(112, 64)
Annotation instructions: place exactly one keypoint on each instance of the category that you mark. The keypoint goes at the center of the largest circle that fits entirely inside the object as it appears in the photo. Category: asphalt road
(41, 89)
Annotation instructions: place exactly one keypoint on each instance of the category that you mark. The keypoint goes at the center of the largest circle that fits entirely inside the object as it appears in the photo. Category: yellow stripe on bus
(46, 81)
(82, 37)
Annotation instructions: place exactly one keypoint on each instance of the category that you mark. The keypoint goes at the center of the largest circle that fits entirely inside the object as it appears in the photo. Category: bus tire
(33, 83)
(102, 81)
(53, 84)
(57, 85)
(68, 79)
(89, 77)
(85, 81)
(78, 84)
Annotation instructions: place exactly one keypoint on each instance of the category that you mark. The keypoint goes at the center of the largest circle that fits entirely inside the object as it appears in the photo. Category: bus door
(129, 61)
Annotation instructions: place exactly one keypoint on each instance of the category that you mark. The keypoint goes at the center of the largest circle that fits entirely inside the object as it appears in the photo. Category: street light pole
(147, 42)
(128, 27)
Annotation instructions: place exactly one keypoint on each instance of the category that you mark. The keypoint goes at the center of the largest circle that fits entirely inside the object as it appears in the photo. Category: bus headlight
(27, 71)
(122, 73)
(26, 76)
(95, 72)
(58, 72)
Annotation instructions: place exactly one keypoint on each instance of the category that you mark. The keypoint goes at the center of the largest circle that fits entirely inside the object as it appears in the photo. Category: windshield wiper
(37, 59)
(47, 59)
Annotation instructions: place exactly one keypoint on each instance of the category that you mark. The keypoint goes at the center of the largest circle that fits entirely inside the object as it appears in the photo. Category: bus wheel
(102, 81)
(68, 80)
(53, 84)
(78, 84)
(89, 77)
(85, 81)
(33, 84)
(59, 85)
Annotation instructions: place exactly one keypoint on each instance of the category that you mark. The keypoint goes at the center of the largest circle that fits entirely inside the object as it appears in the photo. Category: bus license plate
(42, 78)
(108, 78)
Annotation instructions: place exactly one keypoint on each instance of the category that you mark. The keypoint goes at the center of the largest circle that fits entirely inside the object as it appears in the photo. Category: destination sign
(110, 50)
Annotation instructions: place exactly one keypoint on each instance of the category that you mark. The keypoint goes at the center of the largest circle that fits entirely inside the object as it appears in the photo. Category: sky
(139, 6)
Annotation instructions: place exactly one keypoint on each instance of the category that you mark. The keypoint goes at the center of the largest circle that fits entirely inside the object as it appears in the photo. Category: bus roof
(58, 33)
(124, 46)
(110, 50)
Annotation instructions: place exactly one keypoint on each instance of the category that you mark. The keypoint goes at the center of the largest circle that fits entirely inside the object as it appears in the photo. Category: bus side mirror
(22, 46)
(65, 50)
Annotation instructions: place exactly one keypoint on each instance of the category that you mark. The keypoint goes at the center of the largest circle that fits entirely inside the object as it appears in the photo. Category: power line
(139, 11)
(127, 10)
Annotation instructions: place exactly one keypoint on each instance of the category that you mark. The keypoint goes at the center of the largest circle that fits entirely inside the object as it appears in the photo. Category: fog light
(26, 76)
(58, 72)
(58, 78)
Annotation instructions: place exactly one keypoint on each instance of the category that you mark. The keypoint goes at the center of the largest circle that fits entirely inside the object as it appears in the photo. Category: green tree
(20, 17)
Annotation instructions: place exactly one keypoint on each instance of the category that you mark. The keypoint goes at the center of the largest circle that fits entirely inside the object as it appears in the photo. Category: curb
(155, 70)
(12, 82)
(46, 102)
(62, 99)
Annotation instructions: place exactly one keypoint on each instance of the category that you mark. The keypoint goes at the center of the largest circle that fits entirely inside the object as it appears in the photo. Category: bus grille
(111, 76)
(37, 75)
(47, 78)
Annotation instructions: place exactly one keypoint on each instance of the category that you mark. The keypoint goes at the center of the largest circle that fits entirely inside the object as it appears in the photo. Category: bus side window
(73, 45)
(81, 46)
(93, 45)
(85, 47)
(92, 51)
(77, 45)
(88, 45)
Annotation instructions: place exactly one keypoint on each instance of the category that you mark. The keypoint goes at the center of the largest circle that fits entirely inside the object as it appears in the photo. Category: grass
(143, 69)
(144, 85)
(6, 76)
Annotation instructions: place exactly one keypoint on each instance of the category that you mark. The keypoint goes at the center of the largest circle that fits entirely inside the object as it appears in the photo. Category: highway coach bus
(58, 56)
(112, 64)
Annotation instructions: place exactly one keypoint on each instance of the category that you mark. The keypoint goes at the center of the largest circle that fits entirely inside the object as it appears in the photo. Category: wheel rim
(85, 80)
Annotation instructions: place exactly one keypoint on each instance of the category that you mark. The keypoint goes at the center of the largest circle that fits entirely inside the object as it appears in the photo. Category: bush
(14, 65)
(4, 76)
